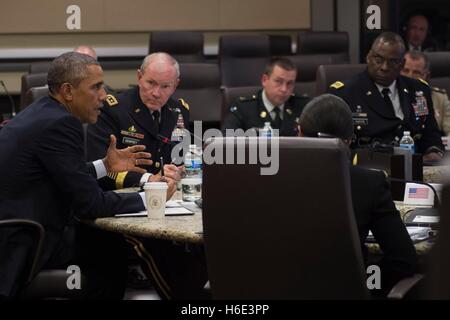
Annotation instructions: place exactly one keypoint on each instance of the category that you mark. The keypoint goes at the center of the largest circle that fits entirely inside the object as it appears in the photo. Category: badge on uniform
(421, 106)
(180, 122)
(130, 141)
(132, 132)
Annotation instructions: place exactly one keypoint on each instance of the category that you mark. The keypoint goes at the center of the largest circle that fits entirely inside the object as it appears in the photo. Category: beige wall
(49, 16)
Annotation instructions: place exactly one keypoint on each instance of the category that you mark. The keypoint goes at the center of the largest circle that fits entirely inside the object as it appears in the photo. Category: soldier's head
(385, 58)
(416, 30)
(84, 49)
(158, 79)
(278, 80)
(416, 66)
(76, 81)
(327, 116)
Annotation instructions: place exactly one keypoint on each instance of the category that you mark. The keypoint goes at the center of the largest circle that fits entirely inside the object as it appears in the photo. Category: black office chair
(438, 275)
(280, 45)
(230, 95)
(200, 87)
(334, 44)
(289, 235)
(242, 59)
(328, 74)
(29, 81)
(439, 69)
(35, 93)
(184, 46)
(39, 67)
(46, 284)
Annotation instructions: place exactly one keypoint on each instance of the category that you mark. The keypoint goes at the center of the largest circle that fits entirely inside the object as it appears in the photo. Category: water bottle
(191, 185)
(266, 131)
(407, 142)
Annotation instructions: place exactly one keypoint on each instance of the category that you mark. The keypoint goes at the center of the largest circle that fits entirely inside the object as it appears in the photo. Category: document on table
(416, 234)
(173, 208)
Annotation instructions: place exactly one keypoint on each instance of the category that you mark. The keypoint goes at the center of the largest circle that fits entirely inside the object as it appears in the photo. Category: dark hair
(329, 115)
(283, 63)
(391, 38)
(417, 55)
(70, 67)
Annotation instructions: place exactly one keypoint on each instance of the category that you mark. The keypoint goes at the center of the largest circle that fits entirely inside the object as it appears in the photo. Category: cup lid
(155, 185)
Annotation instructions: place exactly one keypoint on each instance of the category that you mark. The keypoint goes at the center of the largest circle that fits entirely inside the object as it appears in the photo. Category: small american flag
(419, 193)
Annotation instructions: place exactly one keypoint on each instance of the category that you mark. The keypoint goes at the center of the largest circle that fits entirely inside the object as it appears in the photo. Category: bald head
(87, 50)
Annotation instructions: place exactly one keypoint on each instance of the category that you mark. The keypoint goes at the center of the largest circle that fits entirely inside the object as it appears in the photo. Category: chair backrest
(29, 81)
(34, 94)
(39, 67)
(440, 69)
(200, 87)
(438, 276)
(230, 95)
(184, 46)
(307, 70)
(289, 235)
(328, 74)
(280, 45)
(335, 44)
(242, 59)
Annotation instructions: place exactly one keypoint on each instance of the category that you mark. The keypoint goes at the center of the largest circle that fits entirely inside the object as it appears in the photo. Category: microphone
(13, 105)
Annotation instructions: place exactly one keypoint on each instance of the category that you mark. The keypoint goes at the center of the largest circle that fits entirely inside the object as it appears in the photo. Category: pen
(162, 166)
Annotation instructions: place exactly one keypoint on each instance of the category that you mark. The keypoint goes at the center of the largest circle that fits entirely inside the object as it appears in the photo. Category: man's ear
(264, 78)
(66, 91)
(368, 55)
(177, 82)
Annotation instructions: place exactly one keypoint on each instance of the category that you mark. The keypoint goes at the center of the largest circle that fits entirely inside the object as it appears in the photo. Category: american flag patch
(418, 193)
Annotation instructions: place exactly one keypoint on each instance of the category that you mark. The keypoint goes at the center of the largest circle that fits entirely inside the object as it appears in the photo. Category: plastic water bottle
(407, 142)
(191, 185)
(267, 131)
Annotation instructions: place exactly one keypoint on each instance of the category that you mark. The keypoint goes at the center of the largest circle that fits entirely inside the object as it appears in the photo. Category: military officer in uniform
(417, 66)
(148, 116)
(275, 103)
(385, 104)
(144, 115)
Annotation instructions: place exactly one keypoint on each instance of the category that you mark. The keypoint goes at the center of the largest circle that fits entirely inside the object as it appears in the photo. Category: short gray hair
(70, 67)
(417, 55)
(391, 38)
(160, 56)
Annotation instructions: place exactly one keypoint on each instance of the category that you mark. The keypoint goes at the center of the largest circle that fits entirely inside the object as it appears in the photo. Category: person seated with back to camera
(373, 206)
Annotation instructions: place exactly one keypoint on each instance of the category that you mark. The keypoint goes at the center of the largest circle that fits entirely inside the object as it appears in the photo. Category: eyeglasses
(390, 62)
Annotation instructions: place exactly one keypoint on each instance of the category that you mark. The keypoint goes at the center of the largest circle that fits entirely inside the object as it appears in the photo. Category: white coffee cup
(155, 196)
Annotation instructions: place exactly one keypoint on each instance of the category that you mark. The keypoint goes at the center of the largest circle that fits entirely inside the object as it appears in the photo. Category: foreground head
(278, 80)
(416, 65)
(158, 78)
(385, 58)
(76, 81)
(327, 115)
(86, 50)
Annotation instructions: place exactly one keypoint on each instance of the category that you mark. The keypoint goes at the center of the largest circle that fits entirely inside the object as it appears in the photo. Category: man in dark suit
(44, 176)
(417, 31)
(275, 103)
(386, 104)
(143, 115)
(372, 202)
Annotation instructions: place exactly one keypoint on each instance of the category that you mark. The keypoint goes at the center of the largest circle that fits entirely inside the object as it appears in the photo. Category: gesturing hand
(127, 159)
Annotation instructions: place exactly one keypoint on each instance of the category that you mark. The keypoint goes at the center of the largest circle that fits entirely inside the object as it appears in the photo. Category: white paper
(426, 219)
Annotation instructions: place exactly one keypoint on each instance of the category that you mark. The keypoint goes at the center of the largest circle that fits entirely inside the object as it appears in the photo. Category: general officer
(143, 115)
(146, 115)
(385, 104)
(275, 103)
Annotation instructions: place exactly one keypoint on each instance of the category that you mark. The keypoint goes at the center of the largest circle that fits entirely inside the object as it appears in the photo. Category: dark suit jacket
(131, 122)
(362, 96)
(375, 211)
(250, 112)
(44, 178)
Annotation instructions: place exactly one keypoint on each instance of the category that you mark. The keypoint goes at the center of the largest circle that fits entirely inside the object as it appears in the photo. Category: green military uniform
(441, 106)
(250, 112)
(131, 122)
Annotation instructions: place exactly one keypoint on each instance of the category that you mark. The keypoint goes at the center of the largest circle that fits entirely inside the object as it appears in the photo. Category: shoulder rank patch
(337, 85)
(423, 81)
(111, 100)
(184, 103)
(440, 90)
